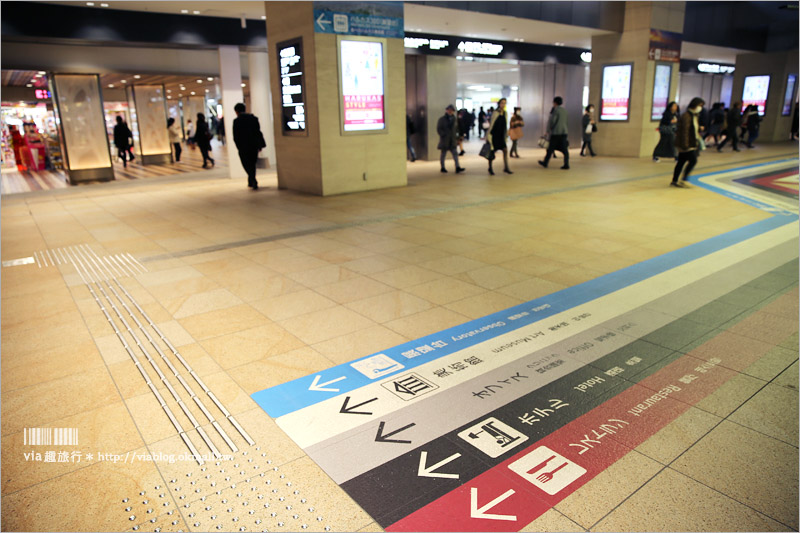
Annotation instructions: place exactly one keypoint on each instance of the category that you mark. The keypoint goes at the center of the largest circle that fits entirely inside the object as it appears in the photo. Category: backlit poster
(788, 97)
(755, 92)
(361, 73)
(661, 91)
(616, 92)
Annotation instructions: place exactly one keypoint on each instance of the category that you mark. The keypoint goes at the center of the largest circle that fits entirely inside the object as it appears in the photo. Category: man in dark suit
(249, 141)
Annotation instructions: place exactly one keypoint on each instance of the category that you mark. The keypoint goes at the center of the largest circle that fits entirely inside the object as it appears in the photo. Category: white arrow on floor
(428, 471)
(320, 387)
(478, 512)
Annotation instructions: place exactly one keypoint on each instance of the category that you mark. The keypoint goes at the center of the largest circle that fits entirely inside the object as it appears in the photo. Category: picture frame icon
(547, 470)
(377, 366)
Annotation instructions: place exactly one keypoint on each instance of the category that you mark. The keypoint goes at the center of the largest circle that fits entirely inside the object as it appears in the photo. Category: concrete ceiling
(427, 19)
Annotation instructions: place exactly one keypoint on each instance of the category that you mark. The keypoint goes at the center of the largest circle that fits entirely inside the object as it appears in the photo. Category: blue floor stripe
(297, 394)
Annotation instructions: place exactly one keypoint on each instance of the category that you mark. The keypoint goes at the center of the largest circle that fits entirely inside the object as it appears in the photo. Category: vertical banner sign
(788, 97)
(290, 72)
(665, 46)
(755, 92)
(361, 75)
(616, 92)
(661, 91)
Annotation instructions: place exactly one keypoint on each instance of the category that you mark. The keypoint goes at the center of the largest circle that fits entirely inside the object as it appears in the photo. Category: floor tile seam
(338, 487)
(410, 214)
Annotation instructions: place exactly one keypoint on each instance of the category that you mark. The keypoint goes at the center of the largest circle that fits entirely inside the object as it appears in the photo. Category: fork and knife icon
(546, 476)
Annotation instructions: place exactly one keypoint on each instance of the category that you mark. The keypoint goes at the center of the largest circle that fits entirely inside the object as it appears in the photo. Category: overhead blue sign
(379, 19)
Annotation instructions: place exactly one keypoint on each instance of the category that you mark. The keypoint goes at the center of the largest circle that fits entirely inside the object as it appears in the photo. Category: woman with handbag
(589, 127)
(667, 128)
(515, 131)
(497, 133)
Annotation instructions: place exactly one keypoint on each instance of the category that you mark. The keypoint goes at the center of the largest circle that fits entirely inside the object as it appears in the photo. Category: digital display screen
(290, 63)
(788, 97)
(616, 93)
(755, 92)
(361, 72)
(661, 91)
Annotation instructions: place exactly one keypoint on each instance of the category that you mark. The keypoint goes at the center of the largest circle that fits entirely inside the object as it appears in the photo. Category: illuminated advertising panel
(361, 76)
(616, 93)
(788, 97)
(755, 92)
(290, 70)
(661, 91)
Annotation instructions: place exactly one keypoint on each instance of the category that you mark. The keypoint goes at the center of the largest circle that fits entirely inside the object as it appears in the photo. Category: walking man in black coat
(249, 141)
(447, 128)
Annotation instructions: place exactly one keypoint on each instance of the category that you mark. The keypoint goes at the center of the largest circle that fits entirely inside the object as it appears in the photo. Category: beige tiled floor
(249, 315)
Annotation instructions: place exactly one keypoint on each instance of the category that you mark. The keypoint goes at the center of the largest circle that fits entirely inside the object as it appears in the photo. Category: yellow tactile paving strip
(248, 317)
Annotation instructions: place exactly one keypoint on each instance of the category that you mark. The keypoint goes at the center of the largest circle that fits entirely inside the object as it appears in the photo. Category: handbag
(588, 129)
(544, 142)
(486, 151)
(594, 128)
(516, 133)
(485, 124)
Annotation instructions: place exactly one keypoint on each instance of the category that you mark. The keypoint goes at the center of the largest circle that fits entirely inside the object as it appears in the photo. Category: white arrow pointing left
(428, 471)
(321, 21)
(320, 387)
(479, 512)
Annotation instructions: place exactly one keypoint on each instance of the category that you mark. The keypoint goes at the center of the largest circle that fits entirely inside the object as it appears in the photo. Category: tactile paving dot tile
(246, 492)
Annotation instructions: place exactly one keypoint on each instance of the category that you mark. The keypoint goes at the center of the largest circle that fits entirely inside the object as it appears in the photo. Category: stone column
(230, 77)
(261, 106)
(322, 159)
(637, 136)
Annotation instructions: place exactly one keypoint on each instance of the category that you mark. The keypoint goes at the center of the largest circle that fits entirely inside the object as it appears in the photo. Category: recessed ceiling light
(210, 78)
(110, 85)
(169, 90)
(184, 11)
(208, 90)
(103, 5)
(192, 93)
(196, 12)
(90, 4)
(41, 72)
(123, 81)
(199, 81)
(244, 85)
(29, 85)
(169, 98)
(263, 17)
(180, 94)
(136, 76)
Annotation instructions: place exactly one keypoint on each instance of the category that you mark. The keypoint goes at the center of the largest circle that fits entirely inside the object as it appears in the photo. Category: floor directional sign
(321, 387)
(487, 425)
(384, 437)
(483, 511)
(430, 471)
(351, 409)
(547, 469)
(493, 437)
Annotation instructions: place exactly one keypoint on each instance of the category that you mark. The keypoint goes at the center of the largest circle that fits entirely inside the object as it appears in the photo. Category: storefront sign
(41, 94)
(755, 92)
(480, 48)
(788, 96)
(665, 46)
(377, 19)
(361, 71)
(661, 91)
(454, 46)
(714, 68)
(616, 92)
(290, 64)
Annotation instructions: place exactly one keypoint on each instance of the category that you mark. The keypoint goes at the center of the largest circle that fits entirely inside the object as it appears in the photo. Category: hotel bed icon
(493, 437)
(547, 469)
